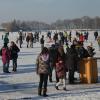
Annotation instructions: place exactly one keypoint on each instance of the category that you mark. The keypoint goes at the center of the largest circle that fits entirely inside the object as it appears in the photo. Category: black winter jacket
(14, 52)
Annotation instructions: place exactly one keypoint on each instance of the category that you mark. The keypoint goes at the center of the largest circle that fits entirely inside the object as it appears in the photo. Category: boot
(50, 79)
(14, 69)
(27, 46)
(7, 70)
(4, 70)
(39, 91)
(56, 87)
(64, 88)
(44, 92)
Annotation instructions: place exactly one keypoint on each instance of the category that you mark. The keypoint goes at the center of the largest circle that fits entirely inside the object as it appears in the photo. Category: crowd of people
(29, 37)
(63, 62)
(63, 56)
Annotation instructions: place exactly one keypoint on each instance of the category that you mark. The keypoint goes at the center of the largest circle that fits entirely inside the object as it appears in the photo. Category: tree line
(77, 23)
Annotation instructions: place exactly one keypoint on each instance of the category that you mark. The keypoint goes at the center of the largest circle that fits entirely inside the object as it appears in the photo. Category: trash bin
(88, 70)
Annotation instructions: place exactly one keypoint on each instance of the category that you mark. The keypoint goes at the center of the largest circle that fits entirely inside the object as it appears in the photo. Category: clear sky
(47, 10)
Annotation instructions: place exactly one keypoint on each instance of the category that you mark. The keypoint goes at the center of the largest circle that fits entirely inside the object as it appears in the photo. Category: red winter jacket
(6, 54)
(60, 68)
(81, 38)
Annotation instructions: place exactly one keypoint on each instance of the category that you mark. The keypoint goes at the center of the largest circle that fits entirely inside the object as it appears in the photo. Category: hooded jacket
(43, 64)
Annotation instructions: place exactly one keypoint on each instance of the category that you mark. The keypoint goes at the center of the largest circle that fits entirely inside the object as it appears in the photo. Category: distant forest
(77, 23)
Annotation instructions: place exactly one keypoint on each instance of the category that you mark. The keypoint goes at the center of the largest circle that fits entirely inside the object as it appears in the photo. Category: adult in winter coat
(61, 38)
(6, 55)
(6, 40)
(14, 55)
(71, 61)
(42, 42)
(95, 35)
(53, 55)
(27, 40)
(81, 38)
(52, 60)
(55, 38)
(70, 36)
(75, 41)
(31, 41)
(43, 70)
(20, 38)
(86, 36)
(82, 52)
(60, 68)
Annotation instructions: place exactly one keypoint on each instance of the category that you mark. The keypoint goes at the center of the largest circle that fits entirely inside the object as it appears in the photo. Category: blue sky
(47, 10)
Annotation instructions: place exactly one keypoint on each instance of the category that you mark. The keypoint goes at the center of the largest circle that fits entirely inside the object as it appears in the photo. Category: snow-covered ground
(23, 85)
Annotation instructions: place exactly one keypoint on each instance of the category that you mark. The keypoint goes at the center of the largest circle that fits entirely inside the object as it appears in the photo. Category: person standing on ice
(14, 55)
(43, 70)
(96, 35)
(42, 42)
(2, 37)
(27, 40)
(71, 62)
(49, 34)
(65, 36)
(70, 36)
(55, 38)
(6, 40)
(81, 38)
(86, 36)
(60, 68)
(20, 38)
(31, 40)
(61, 38)
(6, 55)
(81, 51)
(53, 54)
